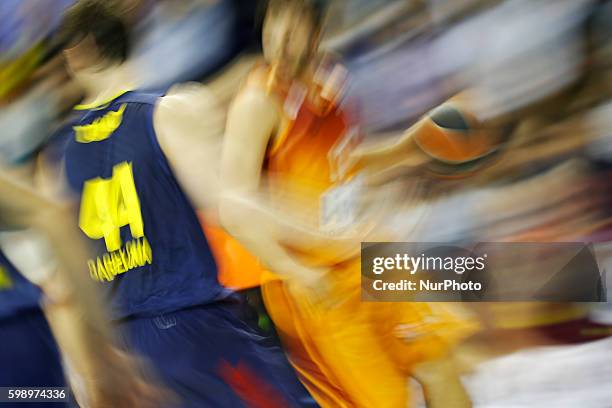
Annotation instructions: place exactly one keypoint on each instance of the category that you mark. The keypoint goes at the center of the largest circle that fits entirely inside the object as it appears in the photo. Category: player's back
(152, 256)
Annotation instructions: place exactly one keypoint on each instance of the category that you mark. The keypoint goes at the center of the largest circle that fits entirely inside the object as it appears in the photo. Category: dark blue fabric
(188, 350)
(183, 272)
(29, 356)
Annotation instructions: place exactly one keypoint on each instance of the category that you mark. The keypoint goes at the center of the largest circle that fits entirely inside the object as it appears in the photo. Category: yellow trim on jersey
(101, 128)
(100, 105)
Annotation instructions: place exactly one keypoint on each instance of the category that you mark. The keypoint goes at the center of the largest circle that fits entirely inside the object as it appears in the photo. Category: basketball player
(138, 161)
(29, 354)
(283, 127)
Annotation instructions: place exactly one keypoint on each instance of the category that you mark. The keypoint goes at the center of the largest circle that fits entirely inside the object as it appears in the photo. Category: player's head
(291, 32)
(95, 34)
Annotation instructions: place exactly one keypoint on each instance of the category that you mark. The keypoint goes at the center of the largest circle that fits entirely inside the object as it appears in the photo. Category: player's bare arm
(189, 123)
(252, 119)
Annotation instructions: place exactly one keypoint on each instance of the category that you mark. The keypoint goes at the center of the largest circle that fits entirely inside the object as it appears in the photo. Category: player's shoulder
(188, 96)
(187, 112)
(186, 102)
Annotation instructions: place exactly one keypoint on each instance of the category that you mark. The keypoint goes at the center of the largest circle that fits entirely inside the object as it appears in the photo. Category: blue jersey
(151, 254)
(16, 293)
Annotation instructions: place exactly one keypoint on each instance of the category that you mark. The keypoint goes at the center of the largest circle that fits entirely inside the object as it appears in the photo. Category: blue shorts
(29, 356)
(210, 358)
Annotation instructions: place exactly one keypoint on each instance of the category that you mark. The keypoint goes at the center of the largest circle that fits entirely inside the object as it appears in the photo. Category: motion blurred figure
(129, 155)
(50, 279)
(287, 136)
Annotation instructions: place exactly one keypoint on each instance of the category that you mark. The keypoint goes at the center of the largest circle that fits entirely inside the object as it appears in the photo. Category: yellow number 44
(109, 204)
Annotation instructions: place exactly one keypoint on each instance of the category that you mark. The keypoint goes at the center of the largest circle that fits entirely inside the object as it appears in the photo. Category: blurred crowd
(532, 79)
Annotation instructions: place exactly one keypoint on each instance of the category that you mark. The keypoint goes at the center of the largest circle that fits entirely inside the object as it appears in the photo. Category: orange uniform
(236, 268)
(349, 355)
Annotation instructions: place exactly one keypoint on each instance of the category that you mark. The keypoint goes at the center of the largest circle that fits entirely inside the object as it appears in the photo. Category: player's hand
(121, 382)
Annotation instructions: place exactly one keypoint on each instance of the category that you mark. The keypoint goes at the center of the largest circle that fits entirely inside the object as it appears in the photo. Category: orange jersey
(302, 161)
(314, 131)
(236, 268)
(300, 153)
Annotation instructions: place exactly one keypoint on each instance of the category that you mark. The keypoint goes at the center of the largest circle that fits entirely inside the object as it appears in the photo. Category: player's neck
(102, 85)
